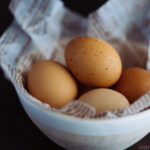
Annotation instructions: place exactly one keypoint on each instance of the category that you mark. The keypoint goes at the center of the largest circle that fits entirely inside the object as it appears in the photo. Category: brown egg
(104, 99)
(93, 62)
(51, 83)
(133, 83)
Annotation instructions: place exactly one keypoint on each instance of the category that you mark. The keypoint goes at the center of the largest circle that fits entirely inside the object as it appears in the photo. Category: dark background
(17, 132)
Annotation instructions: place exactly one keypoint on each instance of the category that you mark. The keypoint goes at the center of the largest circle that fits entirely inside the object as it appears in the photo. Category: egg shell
(133, 83)
(51, 83)
(93, 62)
(104, 99)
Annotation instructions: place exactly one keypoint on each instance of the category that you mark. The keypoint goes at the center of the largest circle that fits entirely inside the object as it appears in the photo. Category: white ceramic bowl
(87, 134)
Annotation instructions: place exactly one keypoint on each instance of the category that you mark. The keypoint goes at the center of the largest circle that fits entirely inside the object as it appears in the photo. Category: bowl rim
(95, 126)
(68, 117)
(140, 114)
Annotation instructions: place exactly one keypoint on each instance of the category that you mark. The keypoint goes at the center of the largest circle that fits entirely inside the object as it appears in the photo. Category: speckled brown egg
(133, 83)
(104, 99)
(51, 83)
(93, 62)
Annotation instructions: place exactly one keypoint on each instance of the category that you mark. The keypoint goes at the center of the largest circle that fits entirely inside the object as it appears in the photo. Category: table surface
(17, 132)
